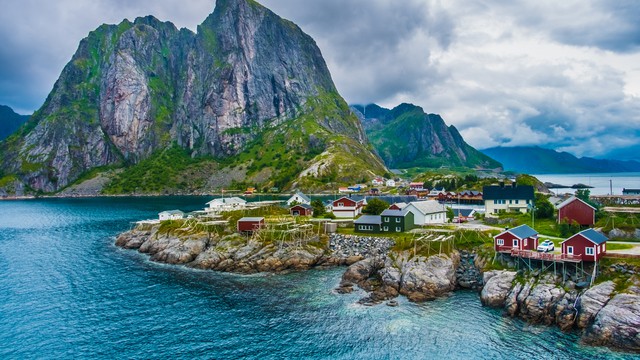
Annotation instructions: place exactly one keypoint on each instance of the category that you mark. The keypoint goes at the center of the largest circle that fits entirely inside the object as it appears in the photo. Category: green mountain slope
(536, 160)
(407, 137)
(10, 121)
(246, 79)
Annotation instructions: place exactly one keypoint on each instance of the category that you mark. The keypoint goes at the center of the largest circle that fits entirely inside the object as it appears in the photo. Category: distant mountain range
(537, 160)
(407, 137)
(10, 121)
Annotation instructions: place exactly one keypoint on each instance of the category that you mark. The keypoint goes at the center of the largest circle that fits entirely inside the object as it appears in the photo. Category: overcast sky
(561, 74)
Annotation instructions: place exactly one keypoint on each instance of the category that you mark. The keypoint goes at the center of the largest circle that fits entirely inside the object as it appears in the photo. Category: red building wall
(346, 202)
(301, 211)
(576, 210)
(244, 226)
(580, 244)
(531, 243)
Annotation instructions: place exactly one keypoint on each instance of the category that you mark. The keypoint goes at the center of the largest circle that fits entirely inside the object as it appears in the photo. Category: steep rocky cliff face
(132, 89)
(407, 137)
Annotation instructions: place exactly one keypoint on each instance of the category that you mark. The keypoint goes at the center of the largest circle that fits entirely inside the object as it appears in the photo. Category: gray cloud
(557, 74)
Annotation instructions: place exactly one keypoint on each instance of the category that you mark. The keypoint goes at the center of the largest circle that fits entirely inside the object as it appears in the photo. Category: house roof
(369, 219)
(591, 235)
(173, 212)
(229, 200)
(522, 232)
(251, 219)
(302, 196)
(470, 193)
(390, 212)
(306, 206)
(427, 207)
(400, 205)
(463, 212)
(497, 192)
(572, 199)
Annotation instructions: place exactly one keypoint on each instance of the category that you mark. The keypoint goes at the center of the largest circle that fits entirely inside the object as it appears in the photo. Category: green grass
(614, 246)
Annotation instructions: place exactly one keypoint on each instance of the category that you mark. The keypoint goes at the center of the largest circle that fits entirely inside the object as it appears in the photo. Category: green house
(368, 224)
(397, 220)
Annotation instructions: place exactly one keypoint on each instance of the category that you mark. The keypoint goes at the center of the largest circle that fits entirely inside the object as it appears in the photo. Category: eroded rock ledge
(605, 316)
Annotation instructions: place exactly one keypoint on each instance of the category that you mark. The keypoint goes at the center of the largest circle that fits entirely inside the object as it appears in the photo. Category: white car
(546, 246)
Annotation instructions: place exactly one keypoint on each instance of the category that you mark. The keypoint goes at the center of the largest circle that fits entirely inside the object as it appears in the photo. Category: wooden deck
(530, 254)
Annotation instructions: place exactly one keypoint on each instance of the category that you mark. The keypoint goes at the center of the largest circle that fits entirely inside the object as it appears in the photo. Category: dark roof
(390, 212)
(592, 235)
(496, 192)
(395, 199)
(522, 232)
(463, 212)
(306, 206)
(369, 219)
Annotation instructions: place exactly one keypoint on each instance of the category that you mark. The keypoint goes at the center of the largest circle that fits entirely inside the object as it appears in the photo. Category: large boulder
(617, 325)
(362, 270)
(429, 279)
(497, 286)
(539, 306)
(592, 301)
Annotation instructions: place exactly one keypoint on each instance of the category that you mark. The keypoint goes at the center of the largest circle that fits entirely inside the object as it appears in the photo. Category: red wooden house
(519, 238)
(301, 210)
(589, 245)
(574, 209)
(250, 224)
(346, 207)
(398, 206)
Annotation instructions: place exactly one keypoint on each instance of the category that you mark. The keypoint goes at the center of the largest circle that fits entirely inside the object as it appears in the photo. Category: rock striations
(132, 89)
(607, 317)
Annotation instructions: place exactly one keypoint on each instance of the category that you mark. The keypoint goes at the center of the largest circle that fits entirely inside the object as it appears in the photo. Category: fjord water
(67, 292)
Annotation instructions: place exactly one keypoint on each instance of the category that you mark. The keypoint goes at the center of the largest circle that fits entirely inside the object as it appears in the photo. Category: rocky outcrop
(231, 253)
(427, 279)
(592, 301)
(468, 274)
(617, 325)
(419, 279)
(497, 285)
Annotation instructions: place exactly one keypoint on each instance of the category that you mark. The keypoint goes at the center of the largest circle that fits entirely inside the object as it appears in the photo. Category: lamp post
(533, 215)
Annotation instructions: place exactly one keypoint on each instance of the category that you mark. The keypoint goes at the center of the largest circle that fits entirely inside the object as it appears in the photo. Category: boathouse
(301, 210)
(250, 224)
(576, 210)
(522, 237)
(588, 245)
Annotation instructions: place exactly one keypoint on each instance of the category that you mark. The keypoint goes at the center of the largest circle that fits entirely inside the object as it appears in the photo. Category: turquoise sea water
(67, 292)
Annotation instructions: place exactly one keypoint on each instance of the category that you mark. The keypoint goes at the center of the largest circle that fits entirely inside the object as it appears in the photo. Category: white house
(391, 183)
(299, 198)
(377, 181)
(226, 204)
(427, 212)
(171, 215)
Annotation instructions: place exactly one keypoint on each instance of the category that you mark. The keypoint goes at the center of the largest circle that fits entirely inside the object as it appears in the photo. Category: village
(433, 214)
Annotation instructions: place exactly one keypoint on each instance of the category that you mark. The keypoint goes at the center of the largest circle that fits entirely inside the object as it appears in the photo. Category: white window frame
(500, 242)
(340, 204)
(397, 220)
(604, 247)
(386, 228)
(386, 219)
(569, 250)
(524, 243)
(589, 251)
(398, 229)
(516, 243)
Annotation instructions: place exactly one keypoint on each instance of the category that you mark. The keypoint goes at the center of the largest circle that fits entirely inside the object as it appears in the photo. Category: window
(500, 242)
(495, 202)
(510, 201)
(515, 243)
(517, 201)
(340, 204)
(397, 220)
(524, 242)
(386, 219)
(366, 227)
(528, 202)
(386, 228)
(598, 250)
(604, 247)
(398, 229)
(589, 251)
(570, 250)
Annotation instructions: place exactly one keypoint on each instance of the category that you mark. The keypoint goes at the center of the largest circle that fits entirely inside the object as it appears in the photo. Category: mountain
(406, 137)
(10, 121)
(537, 160)
(246, 84)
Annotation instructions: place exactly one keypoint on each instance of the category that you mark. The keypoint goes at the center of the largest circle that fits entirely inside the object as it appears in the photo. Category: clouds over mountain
(558, 74)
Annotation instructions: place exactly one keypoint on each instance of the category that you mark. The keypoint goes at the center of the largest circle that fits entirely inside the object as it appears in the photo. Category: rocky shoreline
(606, 316)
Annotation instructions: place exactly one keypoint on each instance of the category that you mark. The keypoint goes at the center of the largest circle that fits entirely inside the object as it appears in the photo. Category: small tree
(375, 207)
(318, 208)
(544, 208)
(450, 214)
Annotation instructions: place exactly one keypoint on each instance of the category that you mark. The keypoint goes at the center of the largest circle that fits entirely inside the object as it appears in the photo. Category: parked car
(546, 246)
